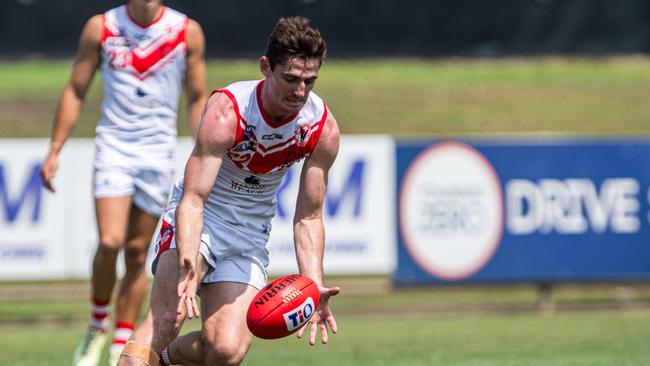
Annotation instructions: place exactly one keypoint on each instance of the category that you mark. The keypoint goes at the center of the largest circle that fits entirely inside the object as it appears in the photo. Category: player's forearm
(66, 116)
(309, 237)
(189, 221)
(194, 110)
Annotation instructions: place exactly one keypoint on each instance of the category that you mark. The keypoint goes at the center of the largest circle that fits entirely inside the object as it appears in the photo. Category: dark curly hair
(293, 37)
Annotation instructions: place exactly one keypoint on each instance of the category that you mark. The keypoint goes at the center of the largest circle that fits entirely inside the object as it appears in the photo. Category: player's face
(291, 82)
(152, 4)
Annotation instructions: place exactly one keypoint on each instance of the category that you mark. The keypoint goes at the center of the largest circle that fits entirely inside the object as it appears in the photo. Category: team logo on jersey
(252, 180)
(302, 135)
(244, 150)
(239, 157)
(249, 132)
(139, 92)
(247, 145)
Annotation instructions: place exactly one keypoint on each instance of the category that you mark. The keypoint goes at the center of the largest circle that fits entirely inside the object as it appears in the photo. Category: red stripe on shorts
(166, 236)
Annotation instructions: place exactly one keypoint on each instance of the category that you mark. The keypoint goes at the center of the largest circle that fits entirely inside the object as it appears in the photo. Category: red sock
(99, 314)
(121, 334)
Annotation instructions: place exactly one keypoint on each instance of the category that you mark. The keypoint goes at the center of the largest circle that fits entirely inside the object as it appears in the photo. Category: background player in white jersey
(146, 53)
(216, 228)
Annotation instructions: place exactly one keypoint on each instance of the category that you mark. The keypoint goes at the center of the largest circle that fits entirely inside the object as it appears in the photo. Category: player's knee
(135, 258)
(225, 352)
(110, 242)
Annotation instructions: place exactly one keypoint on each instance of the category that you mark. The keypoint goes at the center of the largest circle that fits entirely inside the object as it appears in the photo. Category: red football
(282, 306)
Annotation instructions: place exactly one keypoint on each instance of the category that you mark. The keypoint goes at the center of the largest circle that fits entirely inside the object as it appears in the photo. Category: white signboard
(358, 214)
(41, 233)
(54, 236)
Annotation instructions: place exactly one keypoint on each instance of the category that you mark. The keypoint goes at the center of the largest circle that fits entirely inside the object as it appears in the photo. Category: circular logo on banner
(451, 210)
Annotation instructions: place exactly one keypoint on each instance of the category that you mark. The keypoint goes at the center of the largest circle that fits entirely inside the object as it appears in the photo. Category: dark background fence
(364, 28)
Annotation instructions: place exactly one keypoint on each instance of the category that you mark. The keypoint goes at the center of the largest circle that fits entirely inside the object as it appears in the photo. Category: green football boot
(89, 351)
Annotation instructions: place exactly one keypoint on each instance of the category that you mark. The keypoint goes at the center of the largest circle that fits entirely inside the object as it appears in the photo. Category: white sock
(99, 314)
(164, 356)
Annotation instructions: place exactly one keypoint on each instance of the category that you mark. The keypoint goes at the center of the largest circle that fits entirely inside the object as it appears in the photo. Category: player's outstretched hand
(187, 283)
(323, 317)
(48, 171)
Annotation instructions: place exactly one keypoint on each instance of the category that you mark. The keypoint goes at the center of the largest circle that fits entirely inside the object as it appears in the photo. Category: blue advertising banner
(523, 210)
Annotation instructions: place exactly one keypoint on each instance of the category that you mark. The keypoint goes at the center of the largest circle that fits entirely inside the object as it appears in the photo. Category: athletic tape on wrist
(135, 350)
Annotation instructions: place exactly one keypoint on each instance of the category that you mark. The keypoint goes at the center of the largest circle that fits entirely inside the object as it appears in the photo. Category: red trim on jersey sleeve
(267, 119)
(232, 98)
(143, 26)
(185, 26)
(239, 134)
(106, 33)
(316, 134)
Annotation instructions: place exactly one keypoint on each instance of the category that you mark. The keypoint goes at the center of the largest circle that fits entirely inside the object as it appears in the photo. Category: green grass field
(401, 97)
(593, 338)
(40, 323)
(592, 325)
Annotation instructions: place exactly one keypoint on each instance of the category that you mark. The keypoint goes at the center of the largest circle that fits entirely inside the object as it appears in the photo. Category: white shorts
(149, 188)
(235, 266)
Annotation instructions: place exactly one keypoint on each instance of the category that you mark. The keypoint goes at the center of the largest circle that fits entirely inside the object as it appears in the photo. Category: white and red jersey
(143, 68)
(243, 199)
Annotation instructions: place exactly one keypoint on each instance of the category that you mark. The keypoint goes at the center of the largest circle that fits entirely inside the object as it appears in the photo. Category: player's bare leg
(112, 221)
(163, 322)
(134, 284)
(226, 337)
(187, 350)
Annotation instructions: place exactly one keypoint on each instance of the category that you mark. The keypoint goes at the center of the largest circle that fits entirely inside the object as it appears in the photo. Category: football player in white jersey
(215, 230)
(147, 53)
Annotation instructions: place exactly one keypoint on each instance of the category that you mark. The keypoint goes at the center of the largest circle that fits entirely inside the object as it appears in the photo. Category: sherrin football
(282, 306)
